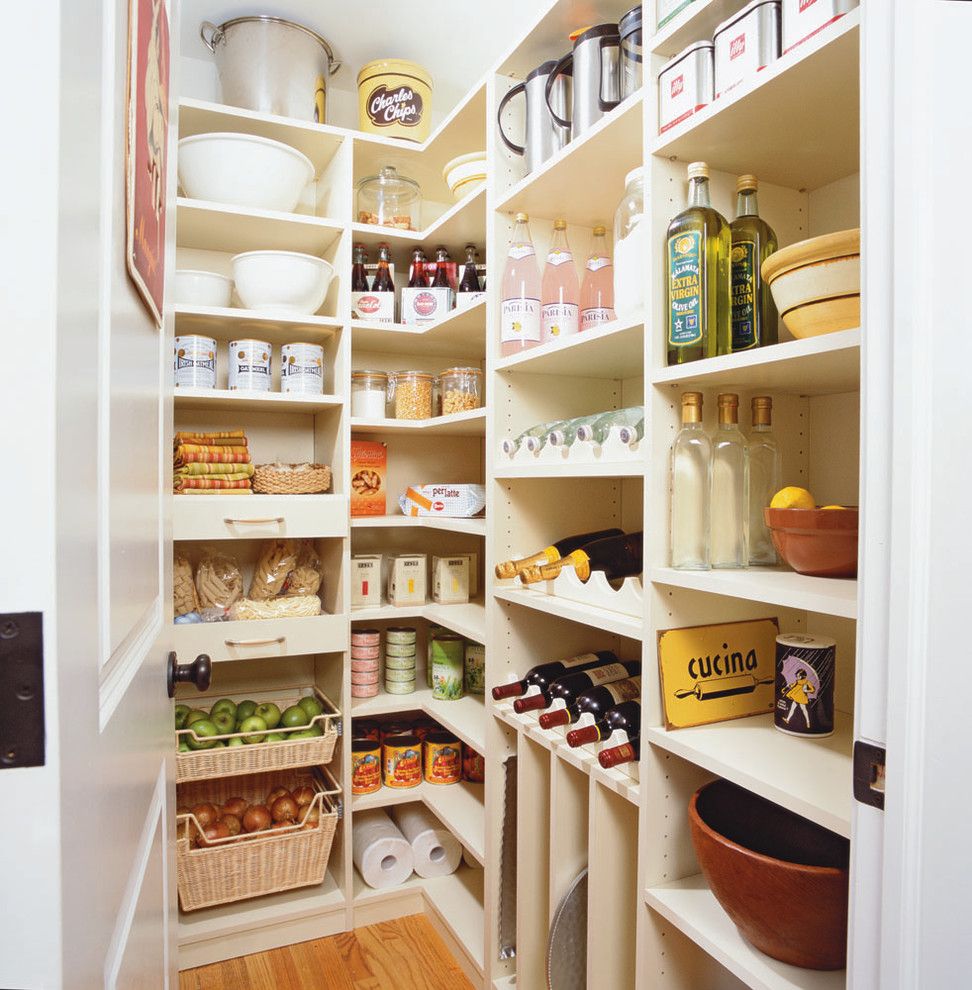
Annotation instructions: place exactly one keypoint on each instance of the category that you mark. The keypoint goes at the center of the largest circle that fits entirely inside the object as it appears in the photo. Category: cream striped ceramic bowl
(465, 174)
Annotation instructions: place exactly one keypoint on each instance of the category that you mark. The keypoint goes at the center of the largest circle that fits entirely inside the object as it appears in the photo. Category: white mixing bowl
(196, 288)
(243, 170)
(282, 280)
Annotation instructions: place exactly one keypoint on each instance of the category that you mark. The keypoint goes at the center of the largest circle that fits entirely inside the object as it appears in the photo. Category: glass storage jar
(389, 200)
(630, 248)
(462, 390)
(369, 394)
(411, 392)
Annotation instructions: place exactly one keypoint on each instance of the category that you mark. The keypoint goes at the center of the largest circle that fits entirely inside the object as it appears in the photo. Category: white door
(86, 852)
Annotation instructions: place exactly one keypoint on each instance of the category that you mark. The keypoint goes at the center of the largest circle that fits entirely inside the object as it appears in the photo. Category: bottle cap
(691, 407)
(698, 170)
(530, 703)
(549, 720)
(728, 407)
(762, 406)
(616, 754)
(560, 224)
(586, 734)
(728, 399)
(522, 218)
(747, 183)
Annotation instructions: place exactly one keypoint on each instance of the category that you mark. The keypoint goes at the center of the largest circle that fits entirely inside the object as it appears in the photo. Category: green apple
(224, 705)
(183, 747)
(245, 709)
(275, 737)
(235, 741)
(270, 714)
(194, 716)
(312, 706)
(203, 727)
(304, 734)
(254, 724)
(315, 730)
(223, 721)
(294, 717)
(181, 711)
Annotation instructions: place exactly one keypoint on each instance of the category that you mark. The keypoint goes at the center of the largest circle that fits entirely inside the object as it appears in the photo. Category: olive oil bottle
(698, 249)
(754, 321)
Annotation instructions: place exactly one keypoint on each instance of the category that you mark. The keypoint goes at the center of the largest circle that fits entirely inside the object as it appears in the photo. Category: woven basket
(236, 869)
(205, 764)
(283, 479)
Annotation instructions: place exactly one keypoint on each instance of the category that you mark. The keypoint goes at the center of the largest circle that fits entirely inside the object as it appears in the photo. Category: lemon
(844, 507)
(792, 497)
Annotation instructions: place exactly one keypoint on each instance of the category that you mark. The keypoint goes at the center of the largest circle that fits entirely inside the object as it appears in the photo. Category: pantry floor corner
(404, 954)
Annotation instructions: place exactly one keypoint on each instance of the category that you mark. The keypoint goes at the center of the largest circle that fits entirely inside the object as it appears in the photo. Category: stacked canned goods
(400, 660)
(447, 653)
(365, 662)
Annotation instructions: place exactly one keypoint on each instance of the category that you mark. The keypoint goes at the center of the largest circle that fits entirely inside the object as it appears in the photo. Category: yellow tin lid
(396, 66)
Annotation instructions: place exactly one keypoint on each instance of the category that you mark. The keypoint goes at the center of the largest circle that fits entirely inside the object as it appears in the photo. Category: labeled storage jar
(448, 664)
(630, 248)
(369, 394)
(302, 369)
(745, 43)
(194, 361)
(461, 390)
(389, 200)
(411, 393)
(249, 365)
(395, 99)
(685, 85)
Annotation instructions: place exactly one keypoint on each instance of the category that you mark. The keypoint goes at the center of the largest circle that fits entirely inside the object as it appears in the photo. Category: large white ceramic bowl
(465, 174)
(282, 281)
(243, 170)
(196, 288)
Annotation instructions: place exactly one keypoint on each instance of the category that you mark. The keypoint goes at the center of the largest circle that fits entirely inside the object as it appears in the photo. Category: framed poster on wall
(147, 149)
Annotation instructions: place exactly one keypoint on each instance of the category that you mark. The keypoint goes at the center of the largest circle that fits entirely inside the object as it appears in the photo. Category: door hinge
(21, 689)
(869, 774)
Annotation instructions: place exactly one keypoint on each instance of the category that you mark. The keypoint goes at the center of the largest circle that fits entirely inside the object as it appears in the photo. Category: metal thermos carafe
(594, 64)
(543, 135)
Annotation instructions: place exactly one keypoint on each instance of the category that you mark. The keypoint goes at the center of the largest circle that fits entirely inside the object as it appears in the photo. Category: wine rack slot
(596, 592)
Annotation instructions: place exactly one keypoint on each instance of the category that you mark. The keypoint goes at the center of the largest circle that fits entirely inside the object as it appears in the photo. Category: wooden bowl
(816, 284)
(782, 879)
(819, 542)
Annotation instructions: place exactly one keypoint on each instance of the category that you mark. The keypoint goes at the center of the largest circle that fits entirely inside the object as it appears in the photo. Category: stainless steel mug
(595, 69)
(543, 136)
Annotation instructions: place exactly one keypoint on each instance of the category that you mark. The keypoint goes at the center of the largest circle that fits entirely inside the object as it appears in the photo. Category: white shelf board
(461, 334)
(467, 620)
(243, 401)
(633, 468)
(475, 527)
(471, 423)
(828, 596)
(463, 223)
(824, 365)
(615, 350)
(564, 608)
(769, 125)
(698, 20)
(458, 902)
(276, 328)
(691, 907)
(234, 229)
(594, 164)
(752, 753)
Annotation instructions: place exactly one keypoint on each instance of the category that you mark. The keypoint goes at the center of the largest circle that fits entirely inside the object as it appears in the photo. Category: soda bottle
(520, 316)
(560, 291)
(597, 291)
(359, 278)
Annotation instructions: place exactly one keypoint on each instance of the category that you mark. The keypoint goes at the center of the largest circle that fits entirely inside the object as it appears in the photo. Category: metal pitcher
(594, 64)
(543, 135)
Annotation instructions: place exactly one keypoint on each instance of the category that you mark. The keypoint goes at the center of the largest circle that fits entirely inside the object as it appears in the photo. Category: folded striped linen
(207, 468)
(232, 437)
(215, 491)
(216, 483)
(189, 453)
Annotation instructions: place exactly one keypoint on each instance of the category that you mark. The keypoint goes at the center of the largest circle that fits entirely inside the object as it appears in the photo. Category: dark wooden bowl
(782, 879)
(819, 542)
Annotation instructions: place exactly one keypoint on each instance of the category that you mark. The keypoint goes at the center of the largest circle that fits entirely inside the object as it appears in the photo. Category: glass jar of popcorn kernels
(411, 393)
(462, 390)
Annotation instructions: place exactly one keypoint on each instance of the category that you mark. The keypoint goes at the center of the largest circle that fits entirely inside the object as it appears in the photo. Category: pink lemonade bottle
(560, 291)
(597, 292)
(520, 315)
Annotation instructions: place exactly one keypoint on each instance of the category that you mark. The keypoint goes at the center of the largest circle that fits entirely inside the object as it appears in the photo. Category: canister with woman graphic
(805, 684)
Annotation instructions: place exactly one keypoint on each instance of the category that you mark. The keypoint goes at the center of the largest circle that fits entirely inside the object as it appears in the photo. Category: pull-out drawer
(246, 517)
(247, 640)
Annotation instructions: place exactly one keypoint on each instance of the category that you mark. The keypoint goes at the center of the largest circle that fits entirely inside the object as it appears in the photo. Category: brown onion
(234, 806)
(217, 831)
(312, 816)
(277, 792)
(233, 823)
(183, 809)
(256, 818)
(206, 814)
(303, 796)
(284, 809)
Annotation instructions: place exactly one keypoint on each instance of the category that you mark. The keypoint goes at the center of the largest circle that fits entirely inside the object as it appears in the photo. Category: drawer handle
(255, 642)
(254, 522)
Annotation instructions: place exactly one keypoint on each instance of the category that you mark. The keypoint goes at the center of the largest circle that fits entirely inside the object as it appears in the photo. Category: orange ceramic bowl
(819, 542)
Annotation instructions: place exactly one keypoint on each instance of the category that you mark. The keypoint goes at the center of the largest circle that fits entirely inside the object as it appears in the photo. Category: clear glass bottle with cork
(729, 489)
(691, 465)
(765, 479)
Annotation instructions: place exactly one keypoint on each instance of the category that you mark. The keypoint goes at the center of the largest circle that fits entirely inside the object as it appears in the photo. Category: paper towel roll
(381, 853)
(436, 850)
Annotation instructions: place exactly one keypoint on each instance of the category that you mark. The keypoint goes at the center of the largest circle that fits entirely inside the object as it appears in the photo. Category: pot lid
(390, 180)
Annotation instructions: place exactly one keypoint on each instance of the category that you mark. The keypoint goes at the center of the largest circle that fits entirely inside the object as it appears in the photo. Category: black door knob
(199, 672)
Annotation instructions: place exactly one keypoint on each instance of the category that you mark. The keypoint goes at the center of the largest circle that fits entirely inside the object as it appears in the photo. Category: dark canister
(805, 684)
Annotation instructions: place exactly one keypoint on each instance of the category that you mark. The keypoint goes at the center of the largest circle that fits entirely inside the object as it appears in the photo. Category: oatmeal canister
(402, 761)
(448, 658)
(805, 684)
(302, 369)
(443, 758)
(194, 361)
(395, 99)
(365, 766)
(249, 365)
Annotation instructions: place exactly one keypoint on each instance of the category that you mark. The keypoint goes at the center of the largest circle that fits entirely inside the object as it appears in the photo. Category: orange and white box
(408, 579)
(369, 470)
(366, 580)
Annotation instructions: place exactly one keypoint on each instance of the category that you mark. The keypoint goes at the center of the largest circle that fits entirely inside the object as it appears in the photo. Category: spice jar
(462, 390)
(411, 391)
(389, 200)
(369, 393)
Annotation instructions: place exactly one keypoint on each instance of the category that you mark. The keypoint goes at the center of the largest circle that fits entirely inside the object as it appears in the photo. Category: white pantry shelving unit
(654, 922)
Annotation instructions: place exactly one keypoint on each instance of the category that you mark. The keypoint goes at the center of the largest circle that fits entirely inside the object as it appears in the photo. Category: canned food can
(364, 677)
(249, 365)
(365, 729)
(365, 637)
(404, 635)
(364, 690)
(448, 658)
(475, 668)
(805, 684)
(401, 758)
(473, 766)
(685, 85)
(399, 676)
(365, 652)
(443, 758)
(394, 728)
(194, 361)
(302, 368)
(423, 726)
(363, 666)
(400, 687)
(399, 649)
(365, 766)
(745, 43)
(400, 663)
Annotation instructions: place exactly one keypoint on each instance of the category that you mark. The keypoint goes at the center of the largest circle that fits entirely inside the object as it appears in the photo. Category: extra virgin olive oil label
(685, 288)
(743, 295)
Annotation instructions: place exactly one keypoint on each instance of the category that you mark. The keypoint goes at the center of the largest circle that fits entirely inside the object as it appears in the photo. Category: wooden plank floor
(404, 954)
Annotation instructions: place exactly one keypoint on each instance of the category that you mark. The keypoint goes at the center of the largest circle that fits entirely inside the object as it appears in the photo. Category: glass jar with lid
(631, 248)
(369, 394)
(389, 199)
(411, 392)
(462, 390)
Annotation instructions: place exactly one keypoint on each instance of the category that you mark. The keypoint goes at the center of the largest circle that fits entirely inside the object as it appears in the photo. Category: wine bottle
(565, 434)
(628, 752)
(548, 555)
(510, 445)
(595, 701)
(618, 556)
(544, 674)
(571, 686)
(632, 434)
(626, 715)
(599, 430)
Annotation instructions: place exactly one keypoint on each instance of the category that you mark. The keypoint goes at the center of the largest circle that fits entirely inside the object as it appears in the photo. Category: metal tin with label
(805, 684)
(302, 368)
(443, 758)
(194, 361)
(685, 85)
(401, 758)
(365, 766)
(745, 43)
(802, 19)
(249, 365)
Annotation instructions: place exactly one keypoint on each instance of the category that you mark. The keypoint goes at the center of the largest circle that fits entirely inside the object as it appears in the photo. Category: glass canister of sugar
(630, 248)
(369, 394)
(194, 361)
(302, 368)
(249, 365)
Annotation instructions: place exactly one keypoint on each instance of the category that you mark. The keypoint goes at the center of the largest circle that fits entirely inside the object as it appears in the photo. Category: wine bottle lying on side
(553, 553)
(618, 556)
(571, 686)
(544, 674)
(628, 752)
(625, 716)
(596, 701)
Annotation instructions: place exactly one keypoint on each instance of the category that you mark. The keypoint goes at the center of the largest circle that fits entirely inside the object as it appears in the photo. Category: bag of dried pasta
(278, 559)
(219, 582)
(184, 598)
(308, 572)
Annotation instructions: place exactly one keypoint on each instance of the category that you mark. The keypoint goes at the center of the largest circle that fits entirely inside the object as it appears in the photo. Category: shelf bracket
(869, 774)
